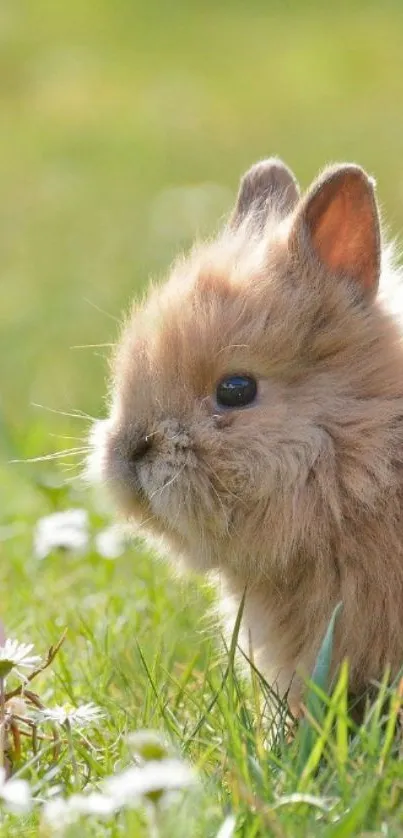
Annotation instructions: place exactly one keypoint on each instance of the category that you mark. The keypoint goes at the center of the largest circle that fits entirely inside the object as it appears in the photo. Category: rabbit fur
(296, 498)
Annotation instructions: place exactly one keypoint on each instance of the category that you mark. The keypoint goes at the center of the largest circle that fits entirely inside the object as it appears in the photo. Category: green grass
(104, 107)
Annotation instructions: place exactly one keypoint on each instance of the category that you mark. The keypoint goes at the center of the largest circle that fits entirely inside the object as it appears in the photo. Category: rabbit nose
(140, 448)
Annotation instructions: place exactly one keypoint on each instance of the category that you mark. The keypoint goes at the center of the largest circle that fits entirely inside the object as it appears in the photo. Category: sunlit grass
(140, 648)
(111, 115)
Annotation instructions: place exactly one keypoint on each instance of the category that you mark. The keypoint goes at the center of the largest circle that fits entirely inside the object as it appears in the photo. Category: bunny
(256, 423)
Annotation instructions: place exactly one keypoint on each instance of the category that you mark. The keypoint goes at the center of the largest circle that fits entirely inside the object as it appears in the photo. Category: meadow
(124, 130)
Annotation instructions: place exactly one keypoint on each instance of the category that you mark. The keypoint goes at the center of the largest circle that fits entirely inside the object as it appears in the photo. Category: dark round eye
(236, 391)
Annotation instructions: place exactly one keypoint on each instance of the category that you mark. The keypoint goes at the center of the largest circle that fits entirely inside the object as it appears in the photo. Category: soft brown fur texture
(297, 498)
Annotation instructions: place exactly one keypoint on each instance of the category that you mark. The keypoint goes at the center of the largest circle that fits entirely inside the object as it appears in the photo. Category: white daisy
(129, 788)
(78, 717)
(94, 803)
(60, 813)
(153, 778)
(15, 793)
(148, 745)
(68, 530)
(110, 542)
(15, 655)
(227, 828)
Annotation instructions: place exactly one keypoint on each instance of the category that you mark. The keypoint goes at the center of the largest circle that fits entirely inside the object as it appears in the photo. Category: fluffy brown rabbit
(256, 422)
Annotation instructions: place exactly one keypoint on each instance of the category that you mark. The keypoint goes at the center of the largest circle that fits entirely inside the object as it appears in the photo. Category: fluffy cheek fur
(211, 496)
(214, 504)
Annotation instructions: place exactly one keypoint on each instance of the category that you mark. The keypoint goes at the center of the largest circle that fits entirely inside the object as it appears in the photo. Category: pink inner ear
(344, 228)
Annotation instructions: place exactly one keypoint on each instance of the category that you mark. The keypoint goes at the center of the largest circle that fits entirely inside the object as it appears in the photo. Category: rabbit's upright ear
(337, 224)
(268, 186)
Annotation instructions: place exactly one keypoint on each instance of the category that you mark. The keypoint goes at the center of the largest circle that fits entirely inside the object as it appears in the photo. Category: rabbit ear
(338, 222)
(268, 185)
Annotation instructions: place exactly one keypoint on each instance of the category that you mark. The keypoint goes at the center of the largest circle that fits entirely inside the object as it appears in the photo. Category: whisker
(70, 452)
(145, 521)
(153, 433)
(77, 414)
(92, 345)
(66, 436)
(172, 480)
(101, 310)
(70, 466)
(70, 479)
(77, 467)
(80, 464)
(83, 415)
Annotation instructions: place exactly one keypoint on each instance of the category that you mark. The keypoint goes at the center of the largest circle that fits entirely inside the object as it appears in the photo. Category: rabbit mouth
(139, 479)
(165, 491)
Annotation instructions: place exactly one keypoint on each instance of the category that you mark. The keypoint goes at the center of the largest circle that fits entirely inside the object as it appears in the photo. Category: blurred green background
(125, 127)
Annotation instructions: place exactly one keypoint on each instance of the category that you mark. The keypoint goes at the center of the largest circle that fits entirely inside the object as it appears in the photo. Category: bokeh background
(125, 127)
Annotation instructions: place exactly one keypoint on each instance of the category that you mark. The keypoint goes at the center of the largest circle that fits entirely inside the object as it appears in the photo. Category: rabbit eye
(236, 391)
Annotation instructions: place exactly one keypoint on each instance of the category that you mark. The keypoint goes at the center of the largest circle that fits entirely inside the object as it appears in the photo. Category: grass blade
(314, 706)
